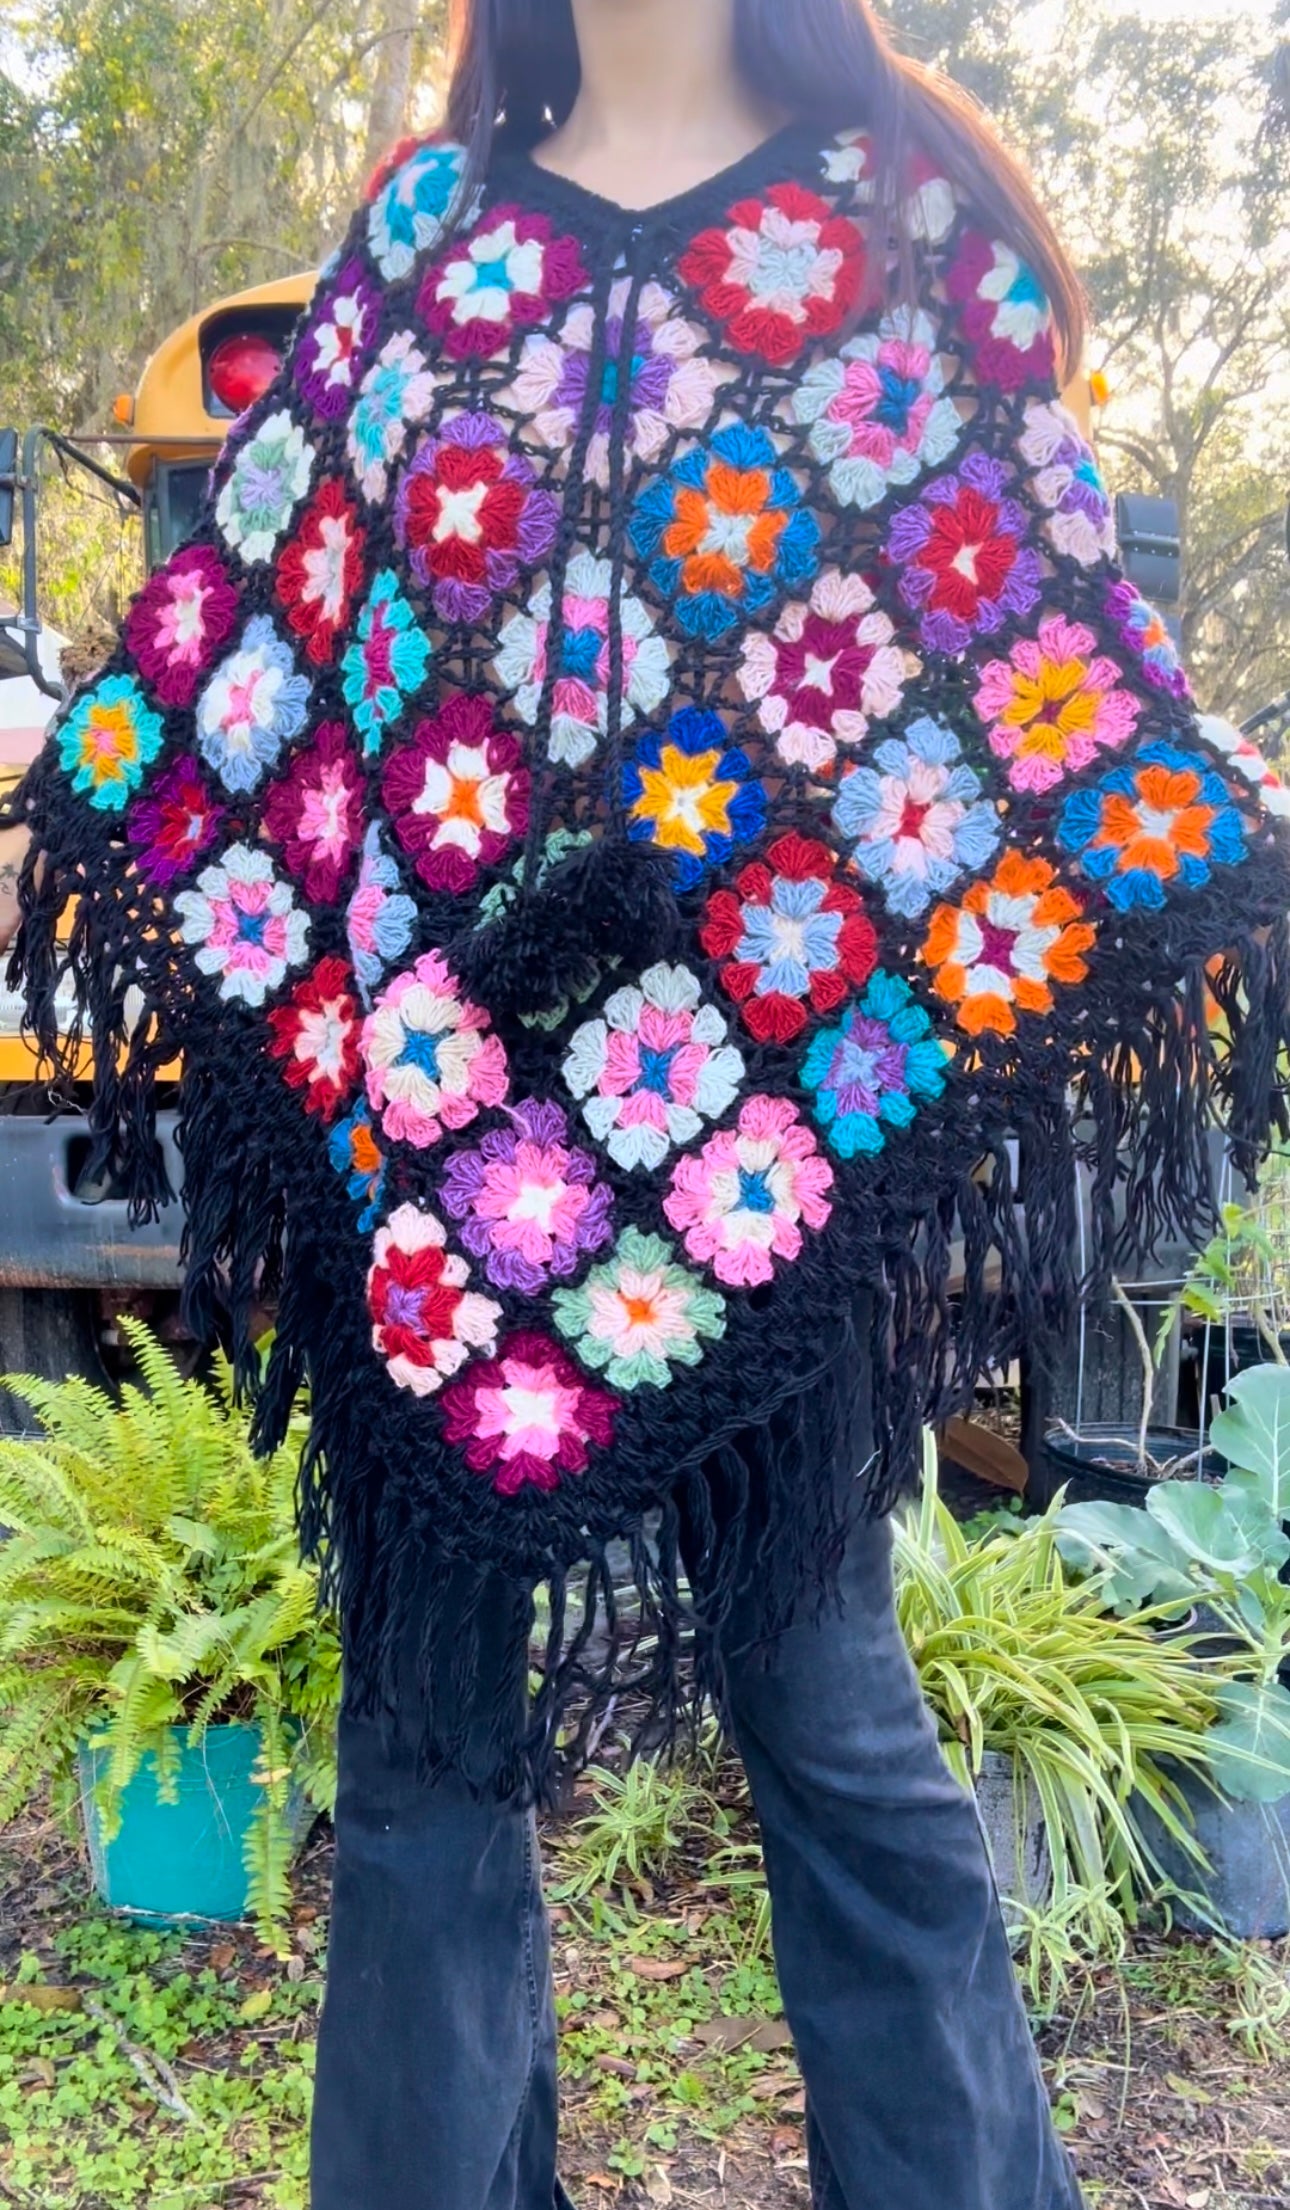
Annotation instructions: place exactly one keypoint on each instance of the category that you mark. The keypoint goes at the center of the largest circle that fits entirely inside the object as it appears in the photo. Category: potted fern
(161, 1651)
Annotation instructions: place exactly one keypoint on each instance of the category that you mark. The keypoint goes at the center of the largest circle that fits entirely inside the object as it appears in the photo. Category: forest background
(157, 154)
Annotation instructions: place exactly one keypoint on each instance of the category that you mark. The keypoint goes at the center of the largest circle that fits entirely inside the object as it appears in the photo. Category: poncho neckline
(791, 144)
(668, 847)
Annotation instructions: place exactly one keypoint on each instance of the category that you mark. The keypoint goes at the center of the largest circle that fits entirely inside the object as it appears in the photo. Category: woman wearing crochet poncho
(649, 810)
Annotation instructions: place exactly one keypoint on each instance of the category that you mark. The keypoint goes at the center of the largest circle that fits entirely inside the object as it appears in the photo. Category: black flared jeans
(436, 2080)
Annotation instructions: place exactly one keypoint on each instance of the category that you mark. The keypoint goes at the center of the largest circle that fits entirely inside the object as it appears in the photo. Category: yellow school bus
(68, 1257)
(197, 382)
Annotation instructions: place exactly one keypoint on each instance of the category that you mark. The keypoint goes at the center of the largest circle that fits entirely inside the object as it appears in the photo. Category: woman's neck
(661, 105)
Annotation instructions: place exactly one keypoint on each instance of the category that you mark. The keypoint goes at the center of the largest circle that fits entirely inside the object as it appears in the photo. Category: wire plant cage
(1270, 727)
(1250, 1286)
(1166, 1346)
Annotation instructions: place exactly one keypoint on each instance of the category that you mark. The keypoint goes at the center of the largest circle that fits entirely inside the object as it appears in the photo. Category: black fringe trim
(746, 1493)
(74, 862)
(631, 1639)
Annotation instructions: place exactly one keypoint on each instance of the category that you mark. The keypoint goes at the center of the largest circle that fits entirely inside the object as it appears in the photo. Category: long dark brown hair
(516, 73)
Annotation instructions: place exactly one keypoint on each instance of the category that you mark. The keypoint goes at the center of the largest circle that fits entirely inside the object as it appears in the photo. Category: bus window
(174, 503)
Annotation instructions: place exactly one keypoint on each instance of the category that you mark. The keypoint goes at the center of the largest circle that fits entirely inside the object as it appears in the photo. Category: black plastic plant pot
(1246, 1891)
(1101, 1465)
(1218, 1354)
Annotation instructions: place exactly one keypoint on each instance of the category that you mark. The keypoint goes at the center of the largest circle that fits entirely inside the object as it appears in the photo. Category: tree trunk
(392, 87)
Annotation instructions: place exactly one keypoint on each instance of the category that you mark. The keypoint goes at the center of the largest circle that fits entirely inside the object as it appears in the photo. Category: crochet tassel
(611, 900)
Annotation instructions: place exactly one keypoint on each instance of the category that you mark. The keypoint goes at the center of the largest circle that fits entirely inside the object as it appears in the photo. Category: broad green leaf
(1246, 1498)
(1249, 1748)
(1195, 1515)
(1254, 1431)
(1145, 1562)
(1252, 1608)
(1106, 1526)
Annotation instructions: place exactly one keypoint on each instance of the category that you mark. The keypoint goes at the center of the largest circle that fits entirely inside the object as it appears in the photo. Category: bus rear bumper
(51, 1237)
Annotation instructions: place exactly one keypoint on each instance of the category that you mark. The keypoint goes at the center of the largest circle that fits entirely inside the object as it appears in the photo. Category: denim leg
(923, 2085)
(436, 2074)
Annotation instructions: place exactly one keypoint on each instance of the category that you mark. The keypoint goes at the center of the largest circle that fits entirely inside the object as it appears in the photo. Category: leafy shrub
(1224, 1544)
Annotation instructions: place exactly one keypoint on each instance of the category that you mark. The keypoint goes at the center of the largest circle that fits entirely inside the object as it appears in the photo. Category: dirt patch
(1174, 2079)
(1170, 2081)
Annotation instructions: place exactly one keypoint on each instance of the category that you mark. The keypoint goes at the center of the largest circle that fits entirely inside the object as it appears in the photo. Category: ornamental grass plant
(150, 1587)
(1017, 1655)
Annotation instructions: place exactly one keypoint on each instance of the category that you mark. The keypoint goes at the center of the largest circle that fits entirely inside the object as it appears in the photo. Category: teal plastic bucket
(181, 1859)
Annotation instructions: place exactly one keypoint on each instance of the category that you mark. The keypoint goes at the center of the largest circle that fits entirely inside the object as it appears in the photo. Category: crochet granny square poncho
(658, 828)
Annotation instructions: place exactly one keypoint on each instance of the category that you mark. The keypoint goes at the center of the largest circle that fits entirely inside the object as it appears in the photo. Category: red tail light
(240, 368)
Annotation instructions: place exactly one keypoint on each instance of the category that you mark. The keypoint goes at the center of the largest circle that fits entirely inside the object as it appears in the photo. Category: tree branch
(1149, 462)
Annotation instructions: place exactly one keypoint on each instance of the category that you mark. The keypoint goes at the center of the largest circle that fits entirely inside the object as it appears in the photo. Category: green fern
(267, 1849)
(151, 1581)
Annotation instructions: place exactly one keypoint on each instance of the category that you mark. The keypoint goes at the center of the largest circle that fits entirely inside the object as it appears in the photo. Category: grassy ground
(173, 2071)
